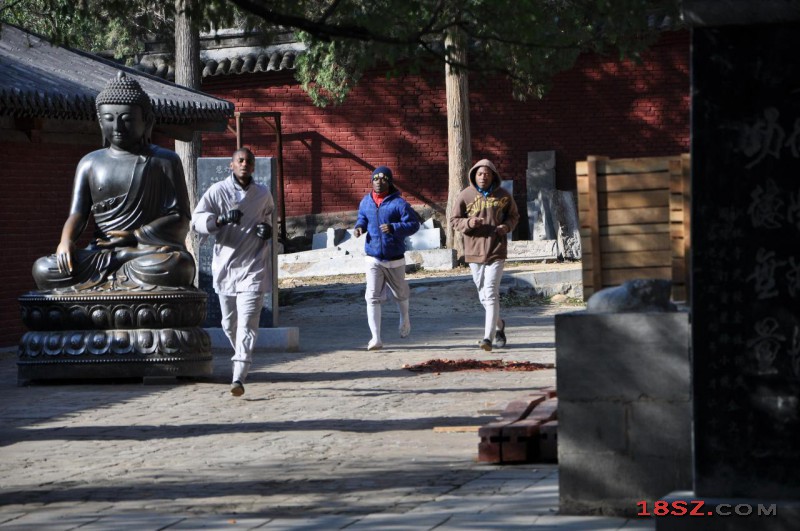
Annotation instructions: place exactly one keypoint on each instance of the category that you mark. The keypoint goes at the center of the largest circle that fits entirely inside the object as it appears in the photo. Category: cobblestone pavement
(330, 437)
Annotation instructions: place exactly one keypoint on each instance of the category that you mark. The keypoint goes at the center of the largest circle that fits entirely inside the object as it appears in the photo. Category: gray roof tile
(225, 62)
(38, 79)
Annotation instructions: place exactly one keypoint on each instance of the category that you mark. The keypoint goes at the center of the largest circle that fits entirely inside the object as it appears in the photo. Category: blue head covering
(385, 170)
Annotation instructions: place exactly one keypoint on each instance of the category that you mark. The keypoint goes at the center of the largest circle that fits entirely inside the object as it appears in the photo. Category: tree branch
(322, 29)
(329, 11)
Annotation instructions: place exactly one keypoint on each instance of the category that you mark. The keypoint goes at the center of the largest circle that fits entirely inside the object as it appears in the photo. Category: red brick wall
(601, 107)
(35, 188)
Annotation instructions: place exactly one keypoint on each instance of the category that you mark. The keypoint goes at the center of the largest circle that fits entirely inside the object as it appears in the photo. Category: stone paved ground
(328, 437)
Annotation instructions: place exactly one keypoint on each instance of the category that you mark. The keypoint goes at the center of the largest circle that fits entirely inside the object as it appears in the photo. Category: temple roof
(229, 52)
(240, 60)
(40, 80)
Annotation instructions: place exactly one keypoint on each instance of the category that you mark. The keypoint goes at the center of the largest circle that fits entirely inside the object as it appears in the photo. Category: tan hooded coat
(482, 244)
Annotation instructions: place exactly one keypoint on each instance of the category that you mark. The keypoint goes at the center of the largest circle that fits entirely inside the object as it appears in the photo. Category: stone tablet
(745, 262)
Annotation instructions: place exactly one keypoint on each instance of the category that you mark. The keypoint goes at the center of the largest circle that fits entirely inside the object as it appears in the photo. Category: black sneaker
(486, 345)
(500, 336)
(237, 389)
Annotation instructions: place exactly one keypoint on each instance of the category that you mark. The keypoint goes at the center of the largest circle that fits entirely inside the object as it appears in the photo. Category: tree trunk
(187, 73)
(459, 153)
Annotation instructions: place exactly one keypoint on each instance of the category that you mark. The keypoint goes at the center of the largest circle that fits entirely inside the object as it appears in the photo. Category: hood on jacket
(488, 163)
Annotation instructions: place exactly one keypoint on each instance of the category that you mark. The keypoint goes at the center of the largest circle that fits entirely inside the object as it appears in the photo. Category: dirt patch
(334, 280)
(443, 365)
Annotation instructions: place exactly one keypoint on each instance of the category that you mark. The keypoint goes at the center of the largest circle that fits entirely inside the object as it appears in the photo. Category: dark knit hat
(385, 170)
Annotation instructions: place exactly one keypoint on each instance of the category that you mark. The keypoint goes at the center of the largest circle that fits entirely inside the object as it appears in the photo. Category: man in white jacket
(237, 211)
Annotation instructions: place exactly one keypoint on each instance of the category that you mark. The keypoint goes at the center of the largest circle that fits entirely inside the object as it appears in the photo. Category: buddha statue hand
(264, 231)
(232, 216)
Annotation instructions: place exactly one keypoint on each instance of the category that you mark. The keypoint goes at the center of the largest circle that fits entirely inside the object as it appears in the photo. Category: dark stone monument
(209, 171)
(123, 307)
(745, 266)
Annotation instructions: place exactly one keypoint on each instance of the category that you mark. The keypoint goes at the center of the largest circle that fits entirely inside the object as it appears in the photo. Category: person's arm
(462, 222)
(361, 221)
(204, 217)
(511, 218)
(409, 221)
(80, 208)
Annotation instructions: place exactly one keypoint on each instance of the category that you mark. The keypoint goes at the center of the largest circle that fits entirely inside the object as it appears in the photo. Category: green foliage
(92, 25)
(120, 27)
(527, 41)
(328, 71)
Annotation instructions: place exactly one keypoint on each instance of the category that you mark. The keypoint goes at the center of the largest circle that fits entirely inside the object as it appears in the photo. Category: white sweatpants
(380, 276)
(240, 316)
(487, 279)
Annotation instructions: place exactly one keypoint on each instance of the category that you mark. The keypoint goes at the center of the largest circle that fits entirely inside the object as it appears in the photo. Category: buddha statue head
(125, 114)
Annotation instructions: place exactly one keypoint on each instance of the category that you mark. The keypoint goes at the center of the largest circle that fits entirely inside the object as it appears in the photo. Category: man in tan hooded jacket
(485, 213)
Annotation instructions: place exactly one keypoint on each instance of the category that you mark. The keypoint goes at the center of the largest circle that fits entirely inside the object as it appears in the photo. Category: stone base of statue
(113, 334)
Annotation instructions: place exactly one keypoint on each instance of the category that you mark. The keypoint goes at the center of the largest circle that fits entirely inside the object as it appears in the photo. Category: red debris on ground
(442, 365)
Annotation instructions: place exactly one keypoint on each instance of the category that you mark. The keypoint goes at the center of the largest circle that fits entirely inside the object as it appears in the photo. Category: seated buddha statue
(137, 195)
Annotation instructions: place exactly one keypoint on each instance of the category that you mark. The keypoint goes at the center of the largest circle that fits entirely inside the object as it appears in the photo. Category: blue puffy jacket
(393, 210)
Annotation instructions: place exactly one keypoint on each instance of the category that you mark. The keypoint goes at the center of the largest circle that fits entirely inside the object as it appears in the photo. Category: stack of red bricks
(526, 432)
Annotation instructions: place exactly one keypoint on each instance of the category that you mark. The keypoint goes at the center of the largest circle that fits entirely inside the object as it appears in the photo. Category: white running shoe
(374, 345)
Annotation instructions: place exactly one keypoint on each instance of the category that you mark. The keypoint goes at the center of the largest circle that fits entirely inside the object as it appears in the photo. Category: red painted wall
(600, 107)
(35, 189)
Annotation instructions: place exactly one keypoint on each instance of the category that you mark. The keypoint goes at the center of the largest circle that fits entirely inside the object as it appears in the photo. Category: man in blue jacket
(387, 219)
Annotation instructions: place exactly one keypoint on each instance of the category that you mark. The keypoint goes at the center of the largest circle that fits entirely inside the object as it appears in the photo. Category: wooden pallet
(634, 216)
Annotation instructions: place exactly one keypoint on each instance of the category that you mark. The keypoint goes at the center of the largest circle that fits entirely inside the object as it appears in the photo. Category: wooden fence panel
(635, 220)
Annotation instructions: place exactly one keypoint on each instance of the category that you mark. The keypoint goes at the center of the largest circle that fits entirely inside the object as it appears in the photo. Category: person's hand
(502, 230)
(64, 257)
(232, 216)
(386, 228)
(474, 223)
(117, 238)
(357, 232)
(264, 231)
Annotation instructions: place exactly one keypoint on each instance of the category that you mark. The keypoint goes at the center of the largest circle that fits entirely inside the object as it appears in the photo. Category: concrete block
(345, 240)
(613, 483)
(567, 281)
(285, 339)
(320, 263)
(624, 409)
(432, 259)
(591, 428)
(660, 429)
(628, 355)
(527, 250)
(332, 237)
(424, 239)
